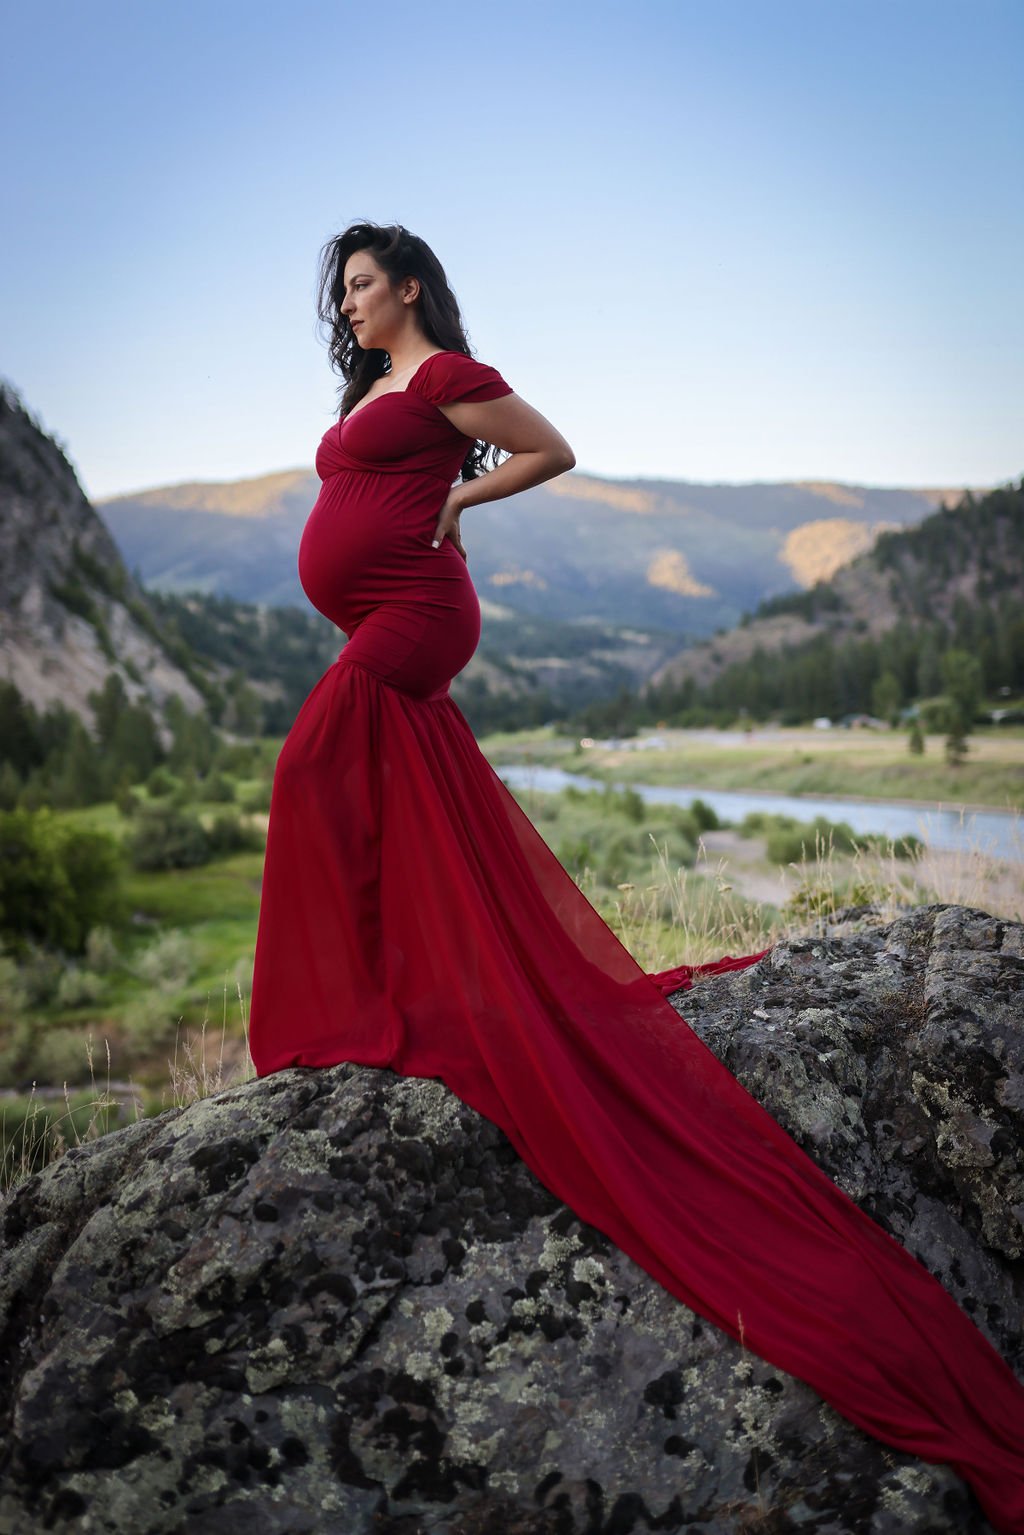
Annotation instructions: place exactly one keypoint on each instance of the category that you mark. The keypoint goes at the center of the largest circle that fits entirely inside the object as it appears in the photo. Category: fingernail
(435, 544)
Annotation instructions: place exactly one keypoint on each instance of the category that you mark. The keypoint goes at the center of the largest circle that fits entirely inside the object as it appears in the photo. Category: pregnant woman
(412, 917)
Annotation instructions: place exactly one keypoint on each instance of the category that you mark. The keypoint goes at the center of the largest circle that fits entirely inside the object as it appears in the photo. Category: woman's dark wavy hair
(400, 254)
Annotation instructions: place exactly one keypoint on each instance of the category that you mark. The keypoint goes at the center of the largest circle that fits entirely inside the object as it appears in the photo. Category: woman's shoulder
(445, 377)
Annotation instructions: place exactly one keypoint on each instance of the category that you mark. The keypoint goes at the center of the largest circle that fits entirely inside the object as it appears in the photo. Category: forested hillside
(525, 671)
(871, 640)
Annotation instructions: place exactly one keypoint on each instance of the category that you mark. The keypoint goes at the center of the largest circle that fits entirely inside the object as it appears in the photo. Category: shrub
(126, 800)
(229, 834)
(78, 987)
(704, 817)
(148, 1021)
(237, 756)
(161, 782)
(633, 852)
(56, 881)
(101, 951)
(256, 798)
(40, 970)
(14, 992)
(575, 856)
(168, 962)
(58, 1055)
(167, 837)
(632, 805)
(95, 864)
(787, 841)
(216, 787)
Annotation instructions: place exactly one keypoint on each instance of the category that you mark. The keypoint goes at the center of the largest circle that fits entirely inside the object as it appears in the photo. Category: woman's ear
(410, 289)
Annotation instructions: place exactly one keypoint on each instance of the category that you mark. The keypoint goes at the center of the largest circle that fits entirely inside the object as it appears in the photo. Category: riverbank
(832, 764)
(934, 874)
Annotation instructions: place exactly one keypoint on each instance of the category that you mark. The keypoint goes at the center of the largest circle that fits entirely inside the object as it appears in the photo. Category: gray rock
(337, 1301)
(71, 614)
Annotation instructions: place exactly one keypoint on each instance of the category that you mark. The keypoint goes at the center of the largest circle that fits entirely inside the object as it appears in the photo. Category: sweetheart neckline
(364, 404)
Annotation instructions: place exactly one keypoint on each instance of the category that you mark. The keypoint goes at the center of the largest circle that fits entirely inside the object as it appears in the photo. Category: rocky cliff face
(336, 1300)
(70, 612)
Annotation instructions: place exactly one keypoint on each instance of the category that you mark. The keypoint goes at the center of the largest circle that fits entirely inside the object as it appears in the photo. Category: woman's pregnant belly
(365, 561)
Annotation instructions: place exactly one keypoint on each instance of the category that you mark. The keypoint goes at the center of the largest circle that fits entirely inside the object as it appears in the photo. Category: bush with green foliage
(788, 840)
(256, 799)
(216, 788)
(168, 962)
(79, 987)
(167, 837)
(56, 881)
(162, 782)
(230, 834)
(101, 951)
(126, 800)
(59, 1054)
(40, 969)
(148, 1022)
(704, 817)
(14, 990)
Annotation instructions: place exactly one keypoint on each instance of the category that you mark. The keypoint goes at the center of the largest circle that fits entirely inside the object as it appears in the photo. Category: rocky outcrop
(70, 612)
(337, 1301)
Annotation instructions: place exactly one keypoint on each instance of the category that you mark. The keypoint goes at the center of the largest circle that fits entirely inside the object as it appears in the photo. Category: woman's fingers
(448, 527)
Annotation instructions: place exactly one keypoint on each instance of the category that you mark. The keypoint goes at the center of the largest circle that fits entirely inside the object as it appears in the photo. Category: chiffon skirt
(412, 917)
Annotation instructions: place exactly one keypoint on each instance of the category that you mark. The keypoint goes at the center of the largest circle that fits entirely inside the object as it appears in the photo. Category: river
(998, 833)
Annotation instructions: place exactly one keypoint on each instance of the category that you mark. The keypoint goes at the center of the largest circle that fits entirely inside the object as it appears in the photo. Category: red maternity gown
(412, 917)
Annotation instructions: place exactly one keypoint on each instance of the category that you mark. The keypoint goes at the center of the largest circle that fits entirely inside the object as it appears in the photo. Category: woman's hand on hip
(448, 523)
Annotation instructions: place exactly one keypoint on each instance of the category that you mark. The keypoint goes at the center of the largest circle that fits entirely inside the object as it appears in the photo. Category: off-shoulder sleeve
(450, 376)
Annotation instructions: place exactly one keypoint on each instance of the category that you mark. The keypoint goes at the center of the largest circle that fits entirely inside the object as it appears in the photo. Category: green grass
(186, 897)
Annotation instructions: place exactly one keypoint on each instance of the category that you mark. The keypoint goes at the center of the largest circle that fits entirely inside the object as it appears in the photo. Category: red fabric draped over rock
(413, 918)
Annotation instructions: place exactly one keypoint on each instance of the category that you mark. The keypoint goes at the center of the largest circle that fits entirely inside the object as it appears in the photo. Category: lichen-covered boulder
(336, 1301)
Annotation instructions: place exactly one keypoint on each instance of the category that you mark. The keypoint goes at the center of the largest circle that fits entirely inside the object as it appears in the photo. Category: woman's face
(373, 308)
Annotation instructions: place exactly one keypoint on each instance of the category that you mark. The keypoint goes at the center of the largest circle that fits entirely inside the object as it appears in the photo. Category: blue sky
(717, 240)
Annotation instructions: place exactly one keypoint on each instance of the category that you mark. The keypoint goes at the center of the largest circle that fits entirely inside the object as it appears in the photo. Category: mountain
(658, 555)
(70, 612)
(587, 585)
(956, 577)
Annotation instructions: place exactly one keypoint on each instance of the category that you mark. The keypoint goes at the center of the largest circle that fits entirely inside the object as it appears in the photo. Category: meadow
(850, 764)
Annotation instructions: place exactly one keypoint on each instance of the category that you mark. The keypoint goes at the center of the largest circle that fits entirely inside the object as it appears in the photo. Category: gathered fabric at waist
(417, 647)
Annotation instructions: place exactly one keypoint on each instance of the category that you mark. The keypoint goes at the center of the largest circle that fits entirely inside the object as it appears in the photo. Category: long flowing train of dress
(412, 917)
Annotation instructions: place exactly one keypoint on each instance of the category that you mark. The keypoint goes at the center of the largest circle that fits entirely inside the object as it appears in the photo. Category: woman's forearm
(518, 472)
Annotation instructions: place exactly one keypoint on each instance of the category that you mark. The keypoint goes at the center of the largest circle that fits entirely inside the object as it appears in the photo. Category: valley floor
(847, 764)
